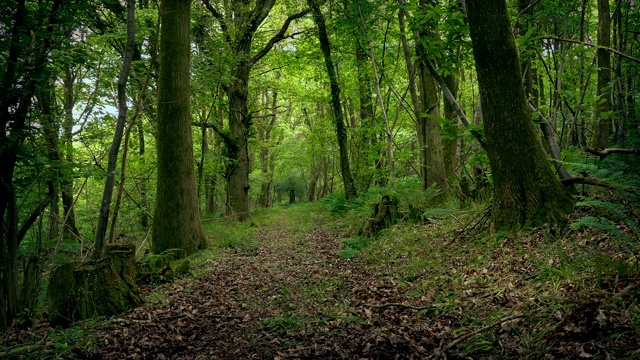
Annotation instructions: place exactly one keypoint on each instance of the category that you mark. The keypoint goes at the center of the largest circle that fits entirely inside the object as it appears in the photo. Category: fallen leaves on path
(290, 298)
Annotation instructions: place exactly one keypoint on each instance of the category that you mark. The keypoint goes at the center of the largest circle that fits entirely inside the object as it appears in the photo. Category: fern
(604, 224)
(616, 209)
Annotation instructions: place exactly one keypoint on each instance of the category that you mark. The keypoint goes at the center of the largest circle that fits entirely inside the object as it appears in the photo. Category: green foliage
(286, 323)
(232, 235)
(437, 213)
(337, 204)
(352, 247)
(606, 222)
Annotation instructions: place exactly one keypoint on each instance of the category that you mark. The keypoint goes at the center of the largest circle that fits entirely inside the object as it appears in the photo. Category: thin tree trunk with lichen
(105, 204)
(450, 143)
(526, 192)
(66, 182)
(341, 130)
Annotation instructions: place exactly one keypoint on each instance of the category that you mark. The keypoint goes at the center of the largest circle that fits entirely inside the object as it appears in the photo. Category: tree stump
(80, 291)
(385, 214)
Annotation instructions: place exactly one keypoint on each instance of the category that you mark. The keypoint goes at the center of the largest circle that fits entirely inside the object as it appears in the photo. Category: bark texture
(526, 192)
(176, 221)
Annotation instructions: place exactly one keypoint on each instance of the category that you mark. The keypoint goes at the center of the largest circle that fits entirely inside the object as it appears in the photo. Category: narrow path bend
(291, 297)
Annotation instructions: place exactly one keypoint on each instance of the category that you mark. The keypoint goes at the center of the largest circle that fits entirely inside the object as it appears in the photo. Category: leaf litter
(293, 297)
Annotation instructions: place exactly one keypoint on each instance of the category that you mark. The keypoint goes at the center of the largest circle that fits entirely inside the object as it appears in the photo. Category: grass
(471, 280)
(488, 276)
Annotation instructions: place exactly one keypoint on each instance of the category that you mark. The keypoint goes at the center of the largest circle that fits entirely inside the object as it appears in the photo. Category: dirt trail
(291, 297)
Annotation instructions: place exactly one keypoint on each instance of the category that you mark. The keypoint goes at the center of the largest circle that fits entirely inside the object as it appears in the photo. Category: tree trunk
(105, 204)
(238, 147)
(176, 220)
(451, 144)
(266, 188)
(66, 181)
(144, 217)
(341, 130)
(426, 104)
(23, 70)
(428, 129)
(619, 41)
(383, 109)
(603, 116)
(526, 192)
(51, 128)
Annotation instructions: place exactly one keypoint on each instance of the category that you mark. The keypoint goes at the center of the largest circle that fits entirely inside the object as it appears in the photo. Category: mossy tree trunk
(426, 103)
(176, 221)
(428, 130)
(526, 192)
(341, 129)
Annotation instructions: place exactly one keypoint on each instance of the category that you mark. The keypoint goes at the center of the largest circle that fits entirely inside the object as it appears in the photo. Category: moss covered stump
(80, 291)
(385, 214)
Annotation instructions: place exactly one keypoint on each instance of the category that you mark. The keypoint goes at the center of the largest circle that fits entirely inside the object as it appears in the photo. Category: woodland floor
(291, 295)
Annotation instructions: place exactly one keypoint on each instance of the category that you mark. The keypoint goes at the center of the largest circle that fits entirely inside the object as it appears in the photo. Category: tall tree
(239, 22)
(426, 101)
(66, 182)
(428, 129)
(341, 129)
(107, 194)
(26, 40)
(526, 192)
(176, 220)
(602, 113)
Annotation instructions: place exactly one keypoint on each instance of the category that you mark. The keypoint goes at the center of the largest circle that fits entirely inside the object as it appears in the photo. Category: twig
(412, 307)
(22, 349)
(623, 292)
(478, 331)
(484, 214)
(144, 240)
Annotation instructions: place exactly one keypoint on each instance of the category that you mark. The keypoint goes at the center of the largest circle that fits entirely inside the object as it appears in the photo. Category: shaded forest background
(385, 105)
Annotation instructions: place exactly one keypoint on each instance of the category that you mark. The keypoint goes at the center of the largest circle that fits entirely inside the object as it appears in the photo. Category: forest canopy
(130, 121)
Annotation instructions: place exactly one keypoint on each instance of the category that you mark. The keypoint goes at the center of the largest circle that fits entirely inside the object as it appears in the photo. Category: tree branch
(35, 213)
(279, 36)
(223, 23)
(592, 45)
(228, 141)
(606, 152)
(583, 180)
(477, 331)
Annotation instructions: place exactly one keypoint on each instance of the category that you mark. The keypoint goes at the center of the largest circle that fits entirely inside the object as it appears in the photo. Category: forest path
(292, 296)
